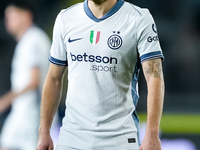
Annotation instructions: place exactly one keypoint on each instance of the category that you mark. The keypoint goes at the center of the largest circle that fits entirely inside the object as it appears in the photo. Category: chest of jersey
(109, 45)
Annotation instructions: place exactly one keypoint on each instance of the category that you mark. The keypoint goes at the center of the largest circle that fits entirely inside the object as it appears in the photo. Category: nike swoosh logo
(73, 40)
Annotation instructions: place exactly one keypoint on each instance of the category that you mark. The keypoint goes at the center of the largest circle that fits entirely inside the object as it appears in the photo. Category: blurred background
(178, 25)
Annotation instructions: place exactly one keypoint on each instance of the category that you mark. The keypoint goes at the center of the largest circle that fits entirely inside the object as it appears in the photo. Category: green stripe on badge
(91, 36)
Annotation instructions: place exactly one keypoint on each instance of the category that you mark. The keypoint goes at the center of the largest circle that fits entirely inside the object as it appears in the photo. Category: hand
(151, 142)
(45, 143)
(6, 100)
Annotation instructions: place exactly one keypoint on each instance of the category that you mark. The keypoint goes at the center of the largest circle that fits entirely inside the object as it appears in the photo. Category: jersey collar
(112, 11)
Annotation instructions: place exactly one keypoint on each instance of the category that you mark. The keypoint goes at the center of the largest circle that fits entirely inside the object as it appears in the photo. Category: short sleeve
(148, 41)
(58, 52)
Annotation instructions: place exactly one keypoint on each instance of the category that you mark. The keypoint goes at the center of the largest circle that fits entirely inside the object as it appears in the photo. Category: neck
(21, 32)
(100, 7)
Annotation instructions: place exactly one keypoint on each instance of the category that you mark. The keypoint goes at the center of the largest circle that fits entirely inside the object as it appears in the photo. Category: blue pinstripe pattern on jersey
(136, 9)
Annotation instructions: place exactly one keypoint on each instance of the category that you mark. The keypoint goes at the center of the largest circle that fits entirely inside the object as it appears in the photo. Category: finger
(140, 148)
(43, 148)
(50, 147)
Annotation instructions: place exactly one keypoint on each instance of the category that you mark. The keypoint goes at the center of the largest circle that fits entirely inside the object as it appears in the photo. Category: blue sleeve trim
(57, 62)
(152, 55)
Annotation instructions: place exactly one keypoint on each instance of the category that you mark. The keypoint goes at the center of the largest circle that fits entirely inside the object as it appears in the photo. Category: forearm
(154, 103)
(51, 95)
(155, 82)
(6, 100)
(49, 104)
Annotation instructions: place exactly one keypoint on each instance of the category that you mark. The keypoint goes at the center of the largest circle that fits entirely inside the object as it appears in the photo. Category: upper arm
(149, 49)
(152, 69)
(58, 52)
(55, 72)
(148, 42)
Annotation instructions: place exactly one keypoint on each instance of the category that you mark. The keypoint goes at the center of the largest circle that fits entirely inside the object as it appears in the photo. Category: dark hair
(24, 4)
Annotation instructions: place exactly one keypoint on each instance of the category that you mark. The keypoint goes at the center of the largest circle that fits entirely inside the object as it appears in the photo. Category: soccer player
(29, 68)
(103, 43)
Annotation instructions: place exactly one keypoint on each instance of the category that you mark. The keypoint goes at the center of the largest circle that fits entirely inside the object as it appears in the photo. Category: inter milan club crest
(94, 37)
(115, 41)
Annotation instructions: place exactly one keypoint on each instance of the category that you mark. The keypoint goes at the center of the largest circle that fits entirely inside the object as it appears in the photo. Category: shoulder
(35, 38)
(141, 16)
(136, 11)
(66, 15)
(74, 9)
(37, 34)
(37, 31)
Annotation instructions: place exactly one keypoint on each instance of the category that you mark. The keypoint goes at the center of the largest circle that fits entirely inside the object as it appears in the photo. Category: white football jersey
(31, 51)
(21, 125)
(103, 58)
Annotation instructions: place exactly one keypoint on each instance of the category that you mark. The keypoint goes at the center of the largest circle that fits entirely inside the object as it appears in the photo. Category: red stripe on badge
(98, 37)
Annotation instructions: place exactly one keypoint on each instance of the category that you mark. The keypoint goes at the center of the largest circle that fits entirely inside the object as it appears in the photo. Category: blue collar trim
(112, 11)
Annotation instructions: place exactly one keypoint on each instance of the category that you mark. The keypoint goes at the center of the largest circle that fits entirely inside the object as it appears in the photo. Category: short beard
(99, 2)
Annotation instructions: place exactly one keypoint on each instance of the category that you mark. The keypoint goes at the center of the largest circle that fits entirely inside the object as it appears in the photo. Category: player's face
(13, 19)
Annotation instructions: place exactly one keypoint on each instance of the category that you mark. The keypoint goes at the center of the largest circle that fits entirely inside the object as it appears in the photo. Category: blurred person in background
(29, 68)
(103, 44)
